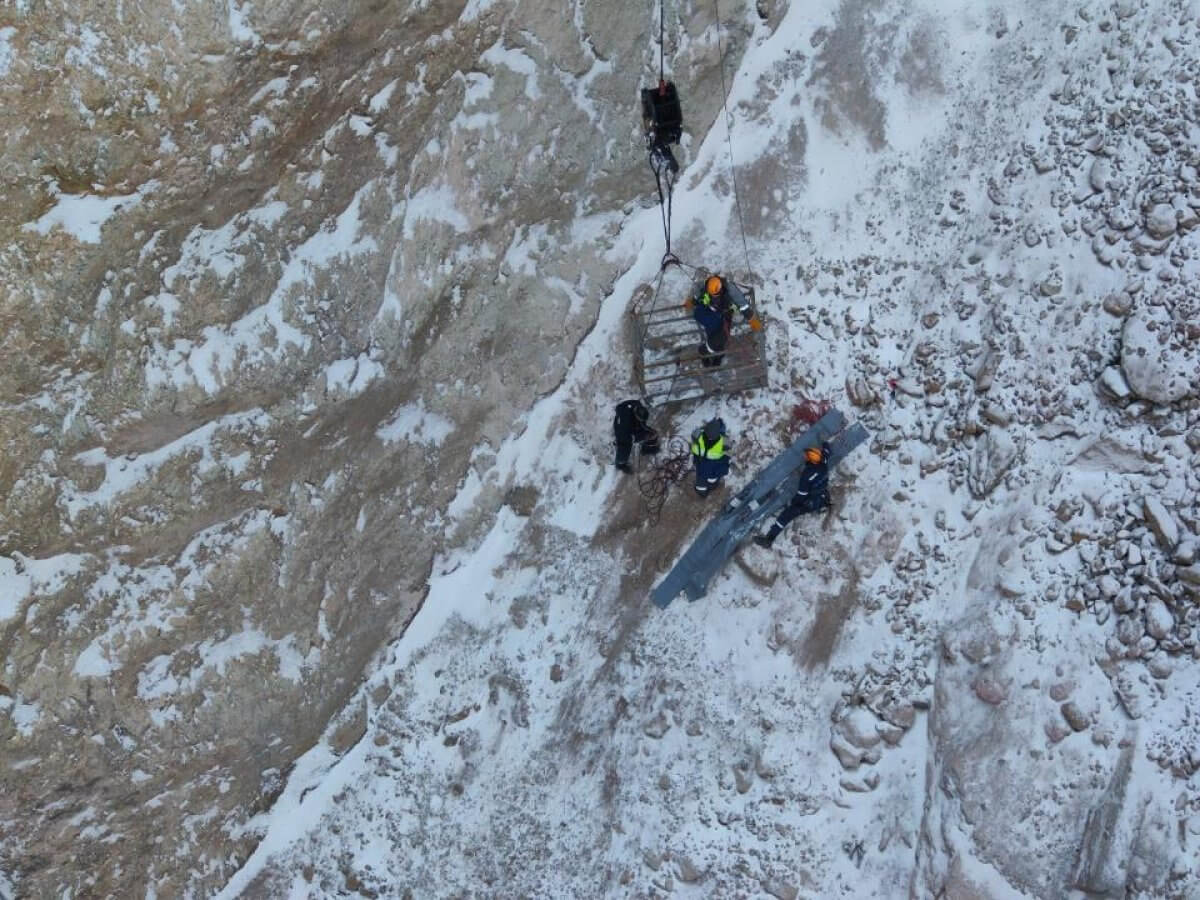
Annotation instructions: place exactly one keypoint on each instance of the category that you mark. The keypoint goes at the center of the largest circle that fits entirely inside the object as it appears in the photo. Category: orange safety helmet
(713, 286)
(814, 455)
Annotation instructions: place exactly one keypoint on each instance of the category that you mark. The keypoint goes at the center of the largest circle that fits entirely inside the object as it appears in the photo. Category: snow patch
(415, 424)
(83, 215)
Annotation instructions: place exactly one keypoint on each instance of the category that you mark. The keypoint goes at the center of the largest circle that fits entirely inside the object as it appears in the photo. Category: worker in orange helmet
(712, 304)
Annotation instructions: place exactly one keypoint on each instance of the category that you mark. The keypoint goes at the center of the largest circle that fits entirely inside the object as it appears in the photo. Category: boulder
(1160, 221)
(1161, 522)
(1160, 621)
(1160, 365)
(994, 454)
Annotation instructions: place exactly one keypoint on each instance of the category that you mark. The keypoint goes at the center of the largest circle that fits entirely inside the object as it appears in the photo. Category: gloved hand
(755, 323)
(689, 303)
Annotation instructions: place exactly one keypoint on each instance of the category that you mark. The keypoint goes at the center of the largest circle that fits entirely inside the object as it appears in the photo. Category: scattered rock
(856, 785)
(779, 889)
(858, 727)
(860, 392)
(1160, 621)
(743, 778)
(1061, 690)
(1056, 731)
(1127, 695)
(989, 691)
(891, 734)
(1161, 522)
(1075, 716)
(1158, 366)
(657, 727)
(996, 415)
(902, 715)
(849, 757)
(688, 873)
(1160, 665)
(1118, 305)
(1160, 221)
(1190, 574)
(984, 371)
(994, 453)
(1113, 385)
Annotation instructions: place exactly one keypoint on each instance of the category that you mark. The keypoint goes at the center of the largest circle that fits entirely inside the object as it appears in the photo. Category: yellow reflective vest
(701, 447)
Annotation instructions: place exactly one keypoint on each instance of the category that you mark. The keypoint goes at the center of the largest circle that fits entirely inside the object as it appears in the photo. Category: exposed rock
(1118, 304)
(1158, 365)
(743, 778)
(1113, 385)
(1099, 866)
(994, 453)
(858, 727)
(860, 392)
(850, 757)
(901, 715)
(1159, 619)
(350, 729)
(1160, 221)
(1161, 522)
(989, 691)
(657, 727)
(687, 870)
(1190, 574)
(779, 889)
(1075, 717)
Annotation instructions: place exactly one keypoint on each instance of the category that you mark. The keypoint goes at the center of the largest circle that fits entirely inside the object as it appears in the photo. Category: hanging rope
(662, 168)
(737, 200)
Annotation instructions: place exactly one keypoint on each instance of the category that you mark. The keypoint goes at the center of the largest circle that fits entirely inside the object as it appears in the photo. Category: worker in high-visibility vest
(709, 457)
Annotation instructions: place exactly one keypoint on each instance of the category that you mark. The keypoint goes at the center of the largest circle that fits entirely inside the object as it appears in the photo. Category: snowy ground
(973, 229)
(934, 195)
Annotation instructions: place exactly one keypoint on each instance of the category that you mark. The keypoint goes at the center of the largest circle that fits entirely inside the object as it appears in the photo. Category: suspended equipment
(669, 365)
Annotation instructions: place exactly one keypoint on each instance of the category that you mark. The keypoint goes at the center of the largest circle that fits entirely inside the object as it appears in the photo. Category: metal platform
(667, 363)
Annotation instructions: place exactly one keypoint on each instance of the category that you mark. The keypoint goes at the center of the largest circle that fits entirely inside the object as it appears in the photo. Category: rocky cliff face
(276, 276)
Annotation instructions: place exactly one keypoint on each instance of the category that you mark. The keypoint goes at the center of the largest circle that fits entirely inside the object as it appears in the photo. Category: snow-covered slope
(974, 227)
(316, 578)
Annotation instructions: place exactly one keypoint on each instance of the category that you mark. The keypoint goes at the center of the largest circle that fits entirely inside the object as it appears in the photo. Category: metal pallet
(668, 365)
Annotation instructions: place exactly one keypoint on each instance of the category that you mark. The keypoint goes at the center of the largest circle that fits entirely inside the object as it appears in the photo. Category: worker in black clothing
(812, 493)
(629, 426)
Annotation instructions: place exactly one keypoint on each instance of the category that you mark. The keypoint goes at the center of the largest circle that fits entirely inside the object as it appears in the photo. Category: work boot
(624, 467)
(766, 540)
